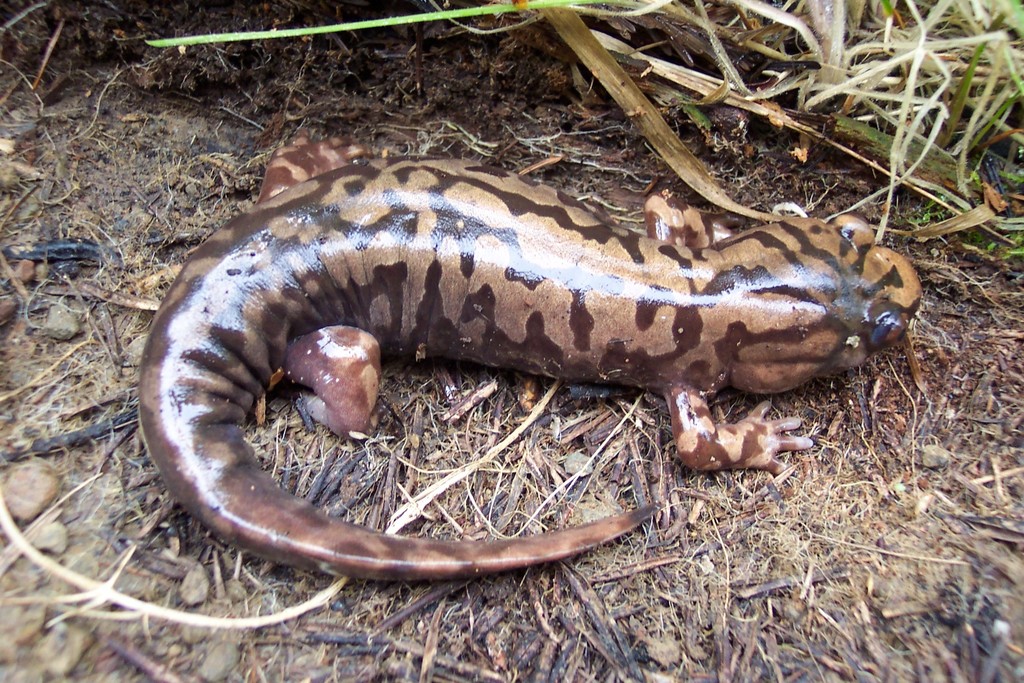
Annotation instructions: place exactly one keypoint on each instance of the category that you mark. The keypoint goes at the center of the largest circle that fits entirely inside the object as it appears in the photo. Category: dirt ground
(891, 552)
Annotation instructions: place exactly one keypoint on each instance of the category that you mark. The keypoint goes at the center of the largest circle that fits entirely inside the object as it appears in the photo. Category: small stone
(24, 270)
(61, 649)
(8, 307)
(193, 635)
(21, 625)
(935, 457)
(61, 324)
(52, 538)
(576, 463)
(236, 591)
(139, 218)
(221, 659)
(667, 651)
(133, 352)
(593, 508)
(29, 488)
(195, 587)
(881, 589)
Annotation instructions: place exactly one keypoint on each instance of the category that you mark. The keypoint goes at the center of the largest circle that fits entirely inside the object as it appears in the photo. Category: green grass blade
(375, 23)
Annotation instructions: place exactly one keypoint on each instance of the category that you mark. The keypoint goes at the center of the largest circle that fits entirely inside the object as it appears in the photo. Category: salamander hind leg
(303, 159)
(672, 220)
(753, 442)
(342, 367)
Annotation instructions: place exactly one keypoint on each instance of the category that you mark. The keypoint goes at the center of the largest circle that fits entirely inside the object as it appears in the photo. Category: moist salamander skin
(342, 261)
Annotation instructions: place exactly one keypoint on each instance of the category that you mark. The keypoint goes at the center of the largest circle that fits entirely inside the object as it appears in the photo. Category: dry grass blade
(413, 509)
(43, 374)
(95, 593)
(593, 464)
(923, 86)
(973, 218)
(642, 111)
(706, 87)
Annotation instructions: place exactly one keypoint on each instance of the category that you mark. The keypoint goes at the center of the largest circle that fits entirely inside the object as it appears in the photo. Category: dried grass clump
(919, 91)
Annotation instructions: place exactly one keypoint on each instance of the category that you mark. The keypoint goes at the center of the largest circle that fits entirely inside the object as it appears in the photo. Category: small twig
(10, 23)
(469, 401)
(543, 163)
(48, 53)
(614, 641)
(639, 568)
(152, 669)
(78, 437)
(438, 593)
(890, 553)
(1003, 476)
(118, 298)
(430, 645)
(377, 644)
(777, 585)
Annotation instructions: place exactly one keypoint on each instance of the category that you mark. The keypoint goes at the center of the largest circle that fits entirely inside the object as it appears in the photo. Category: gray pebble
(61, 324)
(29, 488)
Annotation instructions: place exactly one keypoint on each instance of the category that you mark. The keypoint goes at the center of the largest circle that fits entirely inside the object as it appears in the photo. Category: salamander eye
(888, 328)
(854, 229)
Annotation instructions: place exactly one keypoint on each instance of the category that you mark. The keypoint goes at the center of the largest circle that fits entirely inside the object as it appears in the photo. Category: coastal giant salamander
(345, 259)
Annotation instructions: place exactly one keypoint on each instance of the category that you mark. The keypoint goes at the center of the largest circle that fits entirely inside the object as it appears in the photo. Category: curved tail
(260, 516)
(214, 475)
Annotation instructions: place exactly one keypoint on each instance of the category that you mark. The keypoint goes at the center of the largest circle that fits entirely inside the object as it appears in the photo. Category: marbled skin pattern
(454, 259)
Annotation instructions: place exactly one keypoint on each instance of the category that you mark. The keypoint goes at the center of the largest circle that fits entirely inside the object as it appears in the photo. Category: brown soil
(893, 552)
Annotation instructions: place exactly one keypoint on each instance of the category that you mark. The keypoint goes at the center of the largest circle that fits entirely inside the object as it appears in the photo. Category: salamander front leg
(672, 220)
(753, 442)
(302, 159)
(342, 367)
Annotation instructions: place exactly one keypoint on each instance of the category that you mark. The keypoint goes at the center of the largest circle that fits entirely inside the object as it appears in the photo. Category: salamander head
(848, 298)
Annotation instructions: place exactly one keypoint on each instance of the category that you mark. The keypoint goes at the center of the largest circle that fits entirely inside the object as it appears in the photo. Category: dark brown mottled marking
(479, 305)
(427, 314)
(527, 278)
(739, 278)
(466, 264)
(581, 322)
(354, 187)
(673, 252)
(645, 312)
(538, 343)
